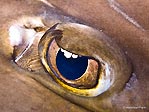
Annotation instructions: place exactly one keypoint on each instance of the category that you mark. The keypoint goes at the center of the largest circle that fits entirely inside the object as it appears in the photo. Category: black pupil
(71, 68)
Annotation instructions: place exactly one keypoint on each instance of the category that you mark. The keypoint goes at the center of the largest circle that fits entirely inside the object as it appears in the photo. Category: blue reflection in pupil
(71, 68)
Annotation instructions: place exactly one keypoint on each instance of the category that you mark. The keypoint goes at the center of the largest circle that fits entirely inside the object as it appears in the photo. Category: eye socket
(103, 68)
(106, 60)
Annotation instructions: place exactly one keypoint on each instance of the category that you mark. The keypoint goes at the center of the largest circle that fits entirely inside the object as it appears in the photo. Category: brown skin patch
(137, 10)
(21, 93)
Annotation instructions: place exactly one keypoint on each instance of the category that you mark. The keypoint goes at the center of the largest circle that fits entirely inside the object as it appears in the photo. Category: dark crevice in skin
(133, 79)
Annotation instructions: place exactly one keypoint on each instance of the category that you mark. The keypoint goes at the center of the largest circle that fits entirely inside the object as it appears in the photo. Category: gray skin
(19, 92)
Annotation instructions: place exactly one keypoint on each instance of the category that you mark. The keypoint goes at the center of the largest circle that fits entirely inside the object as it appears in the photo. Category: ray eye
(80, 59)
(72, 69)
(83, 63)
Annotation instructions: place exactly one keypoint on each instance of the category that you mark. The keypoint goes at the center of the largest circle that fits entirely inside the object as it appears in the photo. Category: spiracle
(65, 47)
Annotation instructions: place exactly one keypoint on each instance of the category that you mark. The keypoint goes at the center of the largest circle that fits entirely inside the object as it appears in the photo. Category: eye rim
(54, 33)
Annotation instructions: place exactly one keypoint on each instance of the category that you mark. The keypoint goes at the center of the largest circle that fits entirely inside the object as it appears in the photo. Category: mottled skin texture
(20, 93)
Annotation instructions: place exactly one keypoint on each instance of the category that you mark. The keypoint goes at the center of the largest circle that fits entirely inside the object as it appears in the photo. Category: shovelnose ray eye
(82, 60)
(72, 69)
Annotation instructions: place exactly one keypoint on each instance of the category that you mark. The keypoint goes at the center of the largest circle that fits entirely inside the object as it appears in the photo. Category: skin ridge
(115, 5)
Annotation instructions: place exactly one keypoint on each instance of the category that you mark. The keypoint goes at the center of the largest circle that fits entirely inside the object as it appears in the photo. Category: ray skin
(21, 93)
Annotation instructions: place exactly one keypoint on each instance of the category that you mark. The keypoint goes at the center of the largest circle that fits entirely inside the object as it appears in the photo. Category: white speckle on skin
(47, 3)
(30, 36)
(15, 35)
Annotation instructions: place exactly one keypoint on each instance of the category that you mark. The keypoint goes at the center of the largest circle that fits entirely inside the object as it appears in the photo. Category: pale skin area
(21, 93)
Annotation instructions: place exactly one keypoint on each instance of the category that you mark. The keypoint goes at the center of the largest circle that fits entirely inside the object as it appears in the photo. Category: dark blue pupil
(71, 68)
